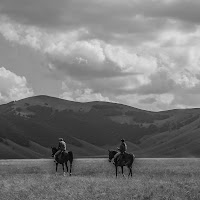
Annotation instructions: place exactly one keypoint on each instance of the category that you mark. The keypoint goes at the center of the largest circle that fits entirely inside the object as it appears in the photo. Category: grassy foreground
(162, 179)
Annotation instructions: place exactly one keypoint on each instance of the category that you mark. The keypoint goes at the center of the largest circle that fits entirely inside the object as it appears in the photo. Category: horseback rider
(122, 149)
(61, 148)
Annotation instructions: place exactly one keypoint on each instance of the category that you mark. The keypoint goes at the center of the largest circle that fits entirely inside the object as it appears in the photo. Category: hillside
(29, 127)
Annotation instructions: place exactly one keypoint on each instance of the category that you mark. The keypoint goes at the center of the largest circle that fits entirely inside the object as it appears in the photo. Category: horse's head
(54, 150)
(111, 154)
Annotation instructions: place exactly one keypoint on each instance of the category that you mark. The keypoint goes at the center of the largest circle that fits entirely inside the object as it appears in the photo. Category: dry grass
(161, 179)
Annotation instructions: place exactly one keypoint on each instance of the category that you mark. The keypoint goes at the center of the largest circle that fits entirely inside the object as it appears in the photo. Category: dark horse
(127, 161)
(62, 159)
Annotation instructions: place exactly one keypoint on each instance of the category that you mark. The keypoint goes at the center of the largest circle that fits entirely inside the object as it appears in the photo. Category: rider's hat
(60, 139)
(123, 140)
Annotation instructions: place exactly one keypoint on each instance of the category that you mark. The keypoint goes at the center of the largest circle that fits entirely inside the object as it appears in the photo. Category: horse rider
(122, 149)
(61, 148)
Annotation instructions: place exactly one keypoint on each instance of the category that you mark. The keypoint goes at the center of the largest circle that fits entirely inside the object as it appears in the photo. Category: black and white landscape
(133, 66)
(93, 72)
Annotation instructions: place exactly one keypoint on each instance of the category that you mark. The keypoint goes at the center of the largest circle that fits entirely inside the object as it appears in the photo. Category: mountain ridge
(42, 119)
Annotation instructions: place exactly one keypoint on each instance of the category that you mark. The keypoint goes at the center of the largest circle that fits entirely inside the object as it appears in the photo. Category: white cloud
(91, 50)
(12, 86)
(67, 46)
(83, 95)
(76, 91)
(130, 61)
(185, 79)
(165, 66)
(142, 53)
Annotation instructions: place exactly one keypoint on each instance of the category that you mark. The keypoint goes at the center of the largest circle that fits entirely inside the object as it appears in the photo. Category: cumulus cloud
(12, 86)
(170, 90)
(76, 91)
(148, 100)
(141, 53)
(70, 47)
(129, 61)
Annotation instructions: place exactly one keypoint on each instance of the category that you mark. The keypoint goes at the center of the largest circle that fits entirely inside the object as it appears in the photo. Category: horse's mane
(54, 148)
(113, 150)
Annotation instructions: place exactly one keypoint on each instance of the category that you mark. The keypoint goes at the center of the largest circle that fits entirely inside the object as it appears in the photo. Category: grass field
(162, 179)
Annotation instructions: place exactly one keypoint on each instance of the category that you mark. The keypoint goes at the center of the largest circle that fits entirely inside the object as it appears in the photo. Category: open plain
(95, 179)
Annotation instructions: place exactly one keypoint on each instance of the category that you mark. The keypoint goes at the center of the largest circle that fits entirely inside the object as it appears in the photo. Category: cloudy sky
(142, 53)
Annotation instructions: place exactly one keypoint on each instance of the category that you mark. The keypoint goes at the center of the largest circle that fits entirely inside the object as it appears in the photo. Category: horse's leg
(56, 168)
(63, 169)
(70, 169)
(122, 170)
(116, 170)
(66, 166)
(130, 171)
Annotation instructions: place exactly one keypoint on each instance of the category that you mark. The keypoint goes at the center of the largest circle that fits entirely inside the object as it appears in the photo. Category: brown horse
(124, 160)
(62, 159)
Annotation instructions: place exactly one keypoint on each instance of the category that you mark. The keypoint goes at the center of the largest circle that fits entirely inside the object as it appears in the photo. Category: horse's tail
(132, 159)
(71, 157)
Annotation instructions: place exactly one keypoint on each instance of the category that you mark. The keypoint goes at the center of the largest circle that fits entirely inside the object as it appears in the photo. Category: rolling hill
(29, 127)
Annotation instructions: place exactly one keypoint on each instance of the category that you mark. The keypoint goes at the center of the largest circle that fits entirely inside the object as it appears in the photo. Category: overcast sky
(142, 53)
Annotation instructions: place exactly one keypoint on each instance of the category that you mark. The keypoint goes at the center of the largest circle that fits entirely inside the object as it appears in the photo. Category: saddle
(61, 154)
(121, 157)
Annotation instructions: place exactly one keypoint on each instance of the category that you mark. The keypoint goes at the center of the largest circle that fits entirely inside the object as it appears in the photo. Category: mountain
(29, 127)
